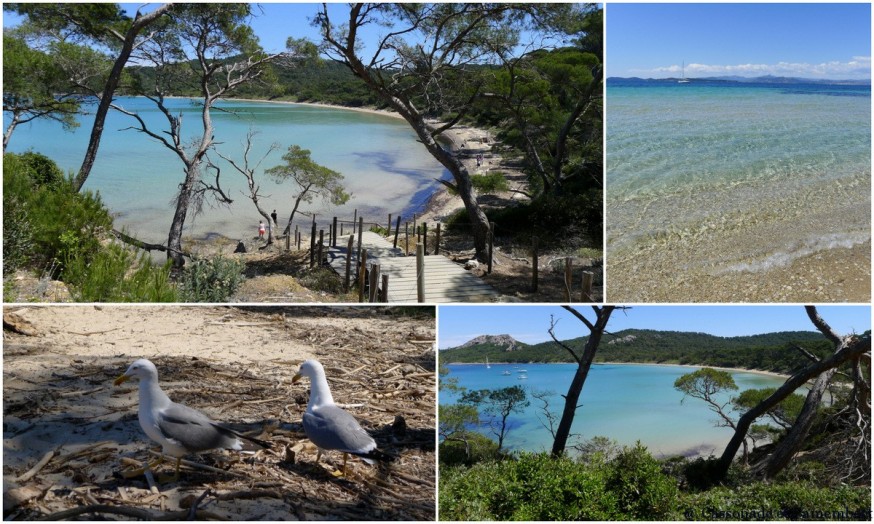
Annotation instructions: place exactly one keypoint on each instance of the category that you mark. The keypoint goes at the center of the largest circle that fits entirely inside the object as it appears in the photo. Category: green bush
(633, 486)
(559, 218)
(533, 487)
(211, 280)
(58, 218)
(379, 230)
(17, 235)
(466, 494)
(114, 274)
(559, 489)
(42, 170)
(482, 449)
(493, 182)
(779, 501)
(701, 473)
(598, 450)
(322, 279)
(458, 222)
(642, 489)
(562, 216)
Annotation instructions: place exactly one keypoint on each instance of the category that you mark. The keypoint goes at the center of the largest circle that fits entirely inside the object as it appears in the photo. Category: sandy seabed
(831, 276)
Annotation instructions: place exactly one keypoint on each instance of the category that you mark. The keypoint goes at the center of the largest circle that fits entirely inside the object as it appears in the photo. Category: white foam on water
(811, 246)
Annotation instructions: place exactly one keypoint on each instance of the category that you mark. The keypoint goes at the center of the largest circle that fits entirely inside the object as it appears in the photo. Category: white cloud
(859, 67)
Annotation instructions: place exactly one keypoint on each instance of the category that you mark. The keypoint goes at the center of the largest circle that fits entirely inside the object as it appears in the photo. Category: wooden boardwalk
(445, 281)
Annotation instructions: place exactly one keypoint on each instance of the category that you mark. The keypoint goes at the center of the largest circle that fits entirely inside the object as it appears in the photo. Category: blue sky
(458, 324)
(802, 40)
(273, 22)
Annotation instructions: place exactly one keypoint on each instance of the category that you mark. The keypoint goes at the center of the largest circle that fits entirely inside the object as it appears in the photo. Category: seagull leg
(141, 471)
(175, 477)
(344, 473)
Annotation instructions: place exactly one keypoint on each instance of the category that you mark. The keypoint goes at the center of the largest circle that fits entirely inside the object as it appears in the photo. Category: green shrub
(17, 235)
(642, 489)
(493, 182)
(58, 218)
(466, 494)
(379, 230)
(559, 218)
(598, 450)
(633, 486)
(779, 501)
(559, 489)
(211, 280)
(701, 473)
(458, 222)
(532, 487)
(42, 170)
(322, 279)
(114, 274)
(482, 449)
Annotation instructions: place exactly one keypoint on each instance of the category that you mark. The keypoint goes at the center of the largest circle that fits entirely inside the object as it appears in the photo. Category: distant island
(767, 79)
(773, 352)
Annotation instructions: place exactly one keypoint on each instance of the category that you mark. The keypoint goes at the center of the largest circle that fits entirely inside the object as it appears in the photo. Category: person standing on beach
(261, 229)
(274, 217)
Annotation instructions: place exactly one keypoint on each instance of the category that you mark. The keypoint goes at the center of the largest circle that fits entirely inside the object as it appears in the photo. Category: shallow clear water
(760, 174)
(385, 169)
(625, 402)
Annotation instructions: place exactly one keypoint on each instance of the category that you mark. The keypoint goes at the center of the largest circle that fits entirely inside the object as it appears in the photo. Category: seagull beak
(294, 379)
(121, 379)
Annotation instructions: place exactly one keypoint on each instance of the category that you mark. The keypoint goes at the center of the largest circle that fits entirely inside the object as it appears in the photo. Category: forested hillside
(770, 352)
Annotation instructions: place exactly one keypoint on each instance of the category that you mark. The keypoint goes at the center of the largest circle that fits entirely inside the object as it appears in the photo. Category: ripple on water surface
(734, 179)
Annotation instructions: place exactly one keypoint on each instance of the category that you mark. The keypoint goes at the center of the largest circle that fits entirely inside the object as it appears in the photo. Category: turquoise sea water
(625, 402)
(386, 170)
(739, 177)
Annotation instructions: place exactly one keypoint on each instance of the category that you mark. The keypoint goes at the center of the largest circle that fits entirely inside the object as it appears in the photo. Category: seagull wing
(332, 428)
(193, 430)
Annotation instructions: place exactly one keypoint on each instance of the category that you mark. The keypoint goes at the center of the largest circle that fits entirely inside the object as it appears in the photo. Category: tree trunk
(174, 241)
(269, 223)
(293, 211)
(139, 244)
(853, 350)
(583, 104)
(267, 219)
(794, 438)
(478, 220)
(584, 364)
(109, 90)
(7, 135)
(792, 441)
(401, 102)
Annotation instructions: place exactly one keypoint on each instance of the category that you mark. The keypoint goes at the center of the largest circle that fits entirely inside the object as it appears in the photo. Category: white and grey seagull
(179, 429)
(329, 426)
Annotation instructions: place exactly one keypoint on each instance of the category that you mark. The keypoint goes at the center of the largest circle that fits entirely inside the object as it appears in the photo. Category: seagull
(179, 429)
(330, 427)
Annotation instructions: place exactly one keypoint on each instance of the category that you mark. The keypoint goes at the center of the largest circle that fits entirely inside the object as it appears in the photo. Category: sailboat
(683, 80)
(487, 363)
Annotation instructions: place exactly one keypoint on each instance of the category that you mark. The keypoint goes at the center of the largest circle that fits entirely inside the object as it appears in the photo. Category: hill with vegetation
(767, 352)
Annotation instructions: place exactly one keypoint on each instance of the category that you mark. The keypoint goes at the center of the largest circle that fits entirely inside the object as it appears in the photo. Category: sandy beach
(236, 365)
(467, 141)
(695, 366)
